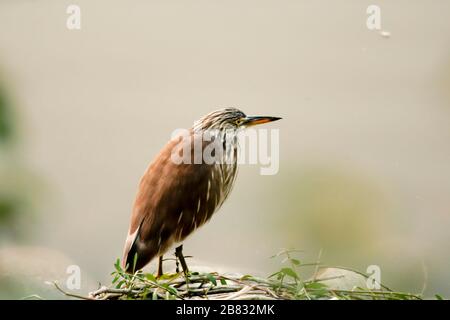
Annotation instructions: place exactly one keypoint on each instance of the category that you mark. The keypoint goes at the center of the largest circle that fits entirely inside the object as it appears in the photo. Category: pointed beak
(254, 120)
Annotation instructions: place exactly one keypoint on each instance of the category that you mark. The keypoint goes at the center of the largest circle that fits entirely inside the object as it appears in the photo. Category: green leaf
(170, 289)
(144, 294)
(211, 278)
(289, 272)
(119, 285)
(169, 276)
(439, 297)
(135, 261)
(223, 281)
(271, 276)
(150, 277)
(316, 285)
(117, 266)
(295, 261)
(318, 289)
(115, 279)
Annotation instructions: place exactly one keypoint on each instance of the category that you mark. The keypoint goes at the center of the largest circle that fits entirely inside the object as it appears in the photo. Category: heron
(175, 199)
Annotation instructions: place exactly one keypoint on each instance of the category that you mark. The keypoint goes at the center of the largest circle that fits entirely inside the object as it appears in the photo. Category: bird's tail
(136, 254)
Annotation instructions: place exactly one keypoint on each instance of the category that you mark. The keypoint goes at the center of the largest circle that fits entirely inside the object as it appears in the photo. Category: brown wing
(172, 201)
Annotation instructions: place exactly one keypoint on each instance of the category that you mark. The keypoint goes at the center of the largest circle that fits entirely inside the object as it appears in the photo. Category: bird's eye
(238, 121)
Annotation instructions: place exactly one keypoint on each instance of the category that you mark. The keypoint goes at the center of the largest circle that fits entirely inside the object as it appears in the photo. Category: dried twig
(68, 294)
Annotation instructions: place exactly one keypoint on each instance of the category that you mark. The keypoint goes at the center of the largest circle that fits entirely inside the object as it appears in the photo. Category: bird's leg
(180, 257)
(160, 267)
(177, 264)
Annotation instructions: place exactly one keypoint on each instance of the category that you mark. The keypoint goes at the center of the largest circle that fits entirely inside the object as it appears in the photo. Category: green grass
(287, 283)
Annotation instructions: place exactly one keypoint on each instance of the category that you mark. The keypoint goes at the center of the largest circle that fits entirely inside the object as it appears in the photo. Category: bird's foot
(160, 272)
(180, 258)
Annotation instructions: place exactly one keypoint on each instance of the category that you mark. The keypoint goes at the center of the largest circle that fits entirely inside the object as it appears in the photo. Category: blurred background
(365, 137)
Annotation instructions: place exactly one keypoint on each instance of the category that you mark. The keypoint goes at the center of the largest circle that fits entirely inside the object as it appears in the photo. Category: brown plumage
(175, 199)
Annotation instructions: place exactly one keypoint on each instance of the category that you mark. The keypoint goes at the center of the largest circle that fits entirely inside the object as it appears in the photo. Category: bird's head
(230, 119)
